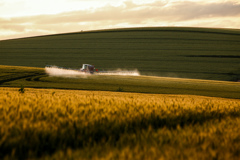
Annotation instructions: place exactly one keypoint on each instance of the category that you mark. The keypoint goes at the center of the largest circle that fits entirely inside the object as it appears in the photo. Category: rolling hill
(198, 53)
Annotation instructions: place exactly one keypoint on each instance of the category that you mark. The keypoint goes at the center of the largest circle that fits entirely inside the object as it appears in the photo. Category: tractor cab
(87, 68)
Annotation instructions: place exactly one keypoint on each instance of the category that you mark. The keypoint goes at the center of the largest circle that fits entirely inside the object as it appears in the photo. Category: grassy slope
(11, 76)
(175, 52)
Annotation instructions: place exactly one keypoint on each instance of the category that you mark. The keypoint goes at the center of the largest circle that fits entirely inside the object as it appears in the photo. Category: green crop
(13, 76)
(198, 53)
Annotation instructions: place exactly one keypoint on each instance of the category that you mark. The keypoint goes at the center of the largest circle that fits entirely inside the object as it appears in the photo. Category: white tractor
(88, 68)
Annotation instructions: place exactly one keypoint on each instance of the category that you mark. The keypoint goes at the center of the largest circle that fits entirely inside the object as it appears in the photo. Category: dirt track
(13, 77)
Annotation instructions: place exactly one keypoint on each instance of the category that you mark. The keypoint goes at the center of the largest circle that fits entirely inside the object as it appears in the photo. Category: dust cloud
(55, 71)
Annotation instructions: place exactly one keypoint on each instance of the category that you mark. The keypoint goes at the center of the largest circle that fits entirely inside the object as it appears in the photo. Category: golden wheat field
(71, 124)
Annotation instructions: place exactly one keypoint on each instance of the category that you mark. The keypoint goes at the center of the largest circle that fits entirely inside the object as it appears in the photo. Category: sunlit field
(29, 77)
(67, 124)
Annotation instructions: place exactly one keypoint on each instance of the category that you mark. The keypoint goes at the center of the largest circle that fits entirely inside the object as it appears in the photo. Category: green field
(29, 77)
(198, 53)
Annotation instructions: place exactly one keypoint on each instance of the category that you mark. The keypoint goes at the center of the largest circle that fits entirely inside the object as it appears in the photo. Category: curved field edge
(70, 124)
(30, 77)
(174, 29)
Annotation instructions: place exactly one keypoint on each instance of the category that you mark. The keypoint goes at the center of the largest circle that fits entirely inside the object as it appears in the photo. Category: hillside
(198, 53)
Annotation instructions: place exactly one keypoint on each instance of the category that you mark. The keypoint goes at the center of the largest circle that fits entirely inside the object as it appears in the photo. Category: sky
(25, 18)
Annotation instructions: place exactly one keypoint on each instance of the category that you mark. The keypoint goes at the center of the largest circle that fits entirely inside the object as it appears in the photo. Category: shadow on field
(30, 143)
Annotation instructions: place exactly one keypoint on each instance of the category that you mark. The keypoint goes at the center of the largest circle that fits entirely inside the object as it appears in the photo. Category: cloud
(132, 13)
(193, 10)
(129, 14)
